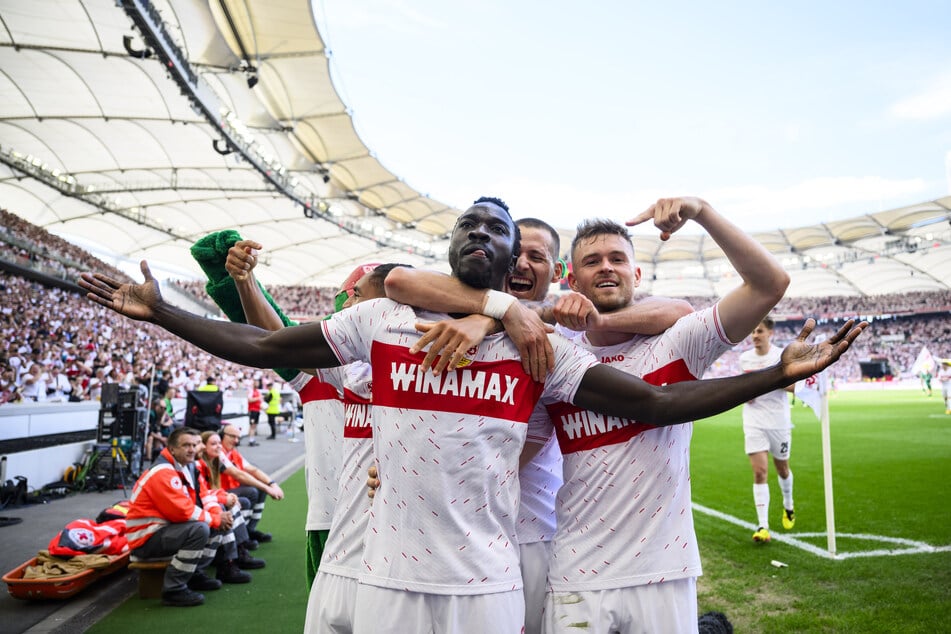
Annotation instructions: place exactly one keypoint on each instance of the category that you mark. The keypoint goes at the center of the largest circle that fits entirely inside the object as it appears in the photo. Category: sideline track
(279, 458)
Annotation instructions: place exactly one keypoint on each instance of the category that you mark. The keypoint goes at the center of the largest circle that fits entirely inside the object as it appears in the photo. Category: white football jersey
(770, 410)
(323, 423)
(623, 513)
(443, 520)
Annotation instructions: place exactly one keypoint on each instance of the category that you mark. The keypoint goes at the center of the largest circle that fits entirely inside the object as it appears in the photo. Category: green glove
(211, 252)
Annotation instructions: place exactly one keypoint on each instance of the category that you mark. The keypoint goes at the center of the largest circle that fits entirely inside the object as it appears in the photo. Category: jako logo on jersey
(613, 359)
(500, 389)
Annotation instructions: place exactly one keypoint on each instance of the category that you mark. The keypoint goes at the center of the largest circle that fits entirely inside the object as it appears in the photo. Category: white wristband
(497, 304)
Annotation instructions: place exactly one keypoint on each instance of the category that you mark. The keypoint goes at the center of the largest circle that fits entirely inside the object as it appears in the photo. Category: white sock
(786, 487)
(761, 500)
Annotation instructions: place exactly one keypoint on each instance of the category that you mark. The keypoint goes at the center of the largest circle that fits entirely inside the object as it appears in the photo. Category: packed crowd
(31, 247)
(798, 308)
(58, 347)
(304, 303)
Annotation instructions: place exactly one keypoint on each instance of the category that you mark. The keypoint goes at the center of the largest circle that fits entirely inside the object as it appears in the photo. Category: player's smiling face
(603, 271)
(480, 251)
(535, 268)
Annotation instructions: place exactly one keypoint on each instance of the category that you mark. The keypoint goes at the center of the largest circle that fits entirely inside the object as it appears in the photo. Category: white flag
(811, 390)
(924, 362)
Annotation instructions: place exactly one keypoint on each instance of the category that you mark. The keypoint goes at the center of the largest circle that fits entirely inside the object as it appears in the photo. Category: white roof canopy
(232, 122)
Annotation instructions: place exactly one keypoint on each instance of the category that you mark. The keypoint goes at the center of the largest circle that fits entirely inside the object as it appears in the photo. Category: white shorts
(534, 564)
(670, 606)
(777, 441)
(387, 610)
(331, 604)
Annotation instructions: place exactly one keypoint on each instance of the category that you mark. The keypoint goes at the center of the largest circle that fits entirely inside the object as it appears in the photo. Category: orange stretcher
(58, 587)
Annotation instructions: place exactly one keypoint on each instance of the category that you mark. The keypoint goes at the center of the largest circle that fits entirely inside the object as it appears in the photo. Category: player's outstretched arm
(303, 346)
(611, 392)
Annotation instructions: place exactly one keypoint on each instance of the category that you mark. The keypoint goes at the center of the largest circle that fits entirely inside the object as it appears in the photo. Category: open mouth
(606, 284)
(520, 284)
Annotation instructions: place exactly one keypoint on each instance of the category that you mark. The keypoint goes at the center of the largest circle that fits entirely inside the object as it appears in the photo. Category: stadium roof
(141, 127)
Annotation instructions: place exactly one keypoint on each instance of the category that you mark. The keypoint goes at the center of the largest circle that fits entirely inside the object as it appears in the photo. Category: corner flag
(924, 363)
(812, 389)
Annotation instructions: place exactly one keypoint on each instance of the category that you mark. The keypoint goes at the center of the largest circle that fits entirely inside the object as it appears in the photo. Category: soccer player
(767, 429)
(540, 475)
(653, 585)
(440, 548)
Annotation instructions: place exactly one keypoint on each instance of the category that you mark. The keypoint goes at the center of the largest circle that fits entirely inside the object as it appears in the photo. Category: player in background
(767, 429)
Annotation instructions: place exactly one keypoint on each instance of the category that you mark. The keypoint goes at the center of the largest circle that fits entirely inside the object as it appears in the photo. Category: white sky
(779, 114)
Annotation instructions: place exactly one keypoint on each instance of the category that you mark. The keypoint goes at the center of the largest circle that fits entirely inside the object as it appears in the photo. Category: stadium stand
(46, 323)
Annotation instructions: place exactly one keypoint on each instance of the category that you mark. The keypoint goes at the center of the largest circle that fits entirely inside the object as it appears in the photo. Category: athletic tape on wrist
(497, 304)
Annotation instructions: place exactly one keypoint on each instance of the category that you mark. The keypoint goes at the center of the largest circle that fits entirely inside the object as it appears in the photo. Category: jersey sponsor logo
(582, 430)
(499, 389)
(357, 416)
(316, 390)
(617, 358)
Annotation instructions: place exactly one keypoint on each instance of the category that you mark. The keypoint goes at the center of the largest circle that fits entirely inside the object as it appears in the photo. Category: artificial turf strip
(274, 601)
(891, 457)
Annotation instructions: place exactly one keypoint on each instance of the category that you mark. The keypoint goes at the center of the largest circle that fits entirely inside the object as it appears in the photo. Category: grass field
(892, 464)
(891, 458)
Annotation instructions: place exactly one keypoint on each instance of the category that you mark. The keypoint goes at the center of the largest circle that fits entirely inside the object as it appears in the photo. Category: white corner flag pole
(827, 464)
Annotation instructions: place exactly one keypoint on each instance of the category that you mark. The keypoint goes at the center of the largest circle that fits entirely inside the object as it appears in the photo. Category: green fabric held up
(211, 252)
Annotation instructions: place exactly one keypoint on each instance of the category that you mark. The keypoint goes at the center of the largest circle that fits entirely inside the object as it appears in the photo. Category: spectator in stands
(246, 480)
(34, 384)
(9, 390)
(174, 514)
(58, 387)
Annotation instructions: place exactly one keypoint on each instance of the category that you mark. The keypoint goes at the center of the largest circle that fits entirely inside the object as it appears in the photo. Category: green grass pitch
(891, 461)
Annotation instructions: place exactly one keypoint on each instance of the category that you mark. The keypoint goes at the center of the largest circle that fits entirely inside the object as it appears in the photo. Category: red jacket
(229, 482)
(167, 495)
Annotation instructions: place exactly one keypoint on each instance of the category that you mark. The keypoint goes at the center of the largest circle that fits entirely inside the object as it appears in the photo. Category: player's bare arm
(240, 263)
(301, 346)
(448, 340)
(614, 393)
(648, 316)
(442, 293)
(764, 280)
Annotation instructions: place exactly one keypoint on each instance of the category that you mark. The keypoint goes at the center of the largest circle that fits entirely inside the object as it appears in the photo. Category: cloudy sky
(780, 114)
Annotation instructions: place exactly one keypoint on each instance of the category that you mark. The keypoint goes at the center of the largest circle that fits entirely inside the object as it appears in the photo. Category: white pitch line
(912, 546)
